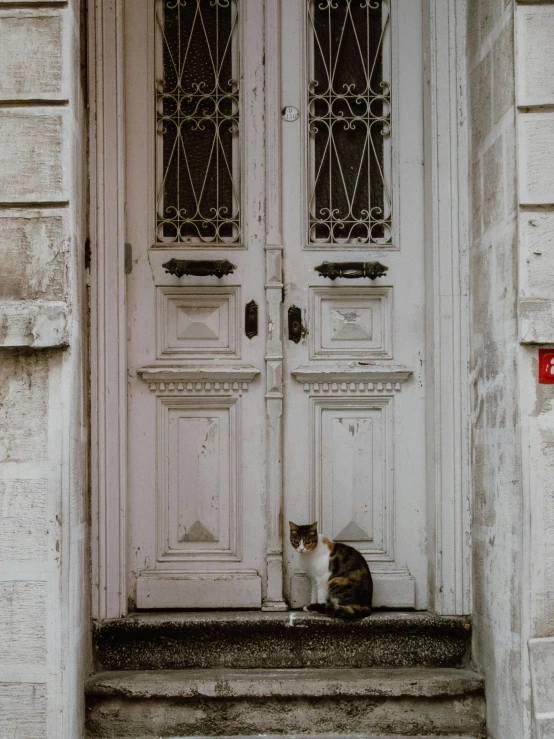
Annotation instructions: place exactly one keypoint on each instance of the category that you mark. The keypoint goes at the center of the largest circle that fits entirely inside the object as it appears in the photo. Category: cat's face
(303, 538)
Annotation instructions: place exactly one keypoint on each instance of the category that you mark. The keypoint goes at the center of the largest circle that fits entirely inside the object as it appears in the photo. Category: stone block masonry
(511, 59)
(27, 75)
(535, 148)
(23, 709)
(496, 456)
(44, 648)
(32, 164)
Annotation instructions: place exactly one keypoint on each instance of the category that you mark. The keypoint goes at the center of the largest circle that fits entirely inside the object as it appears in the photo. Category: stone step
(224, 702)
(156, 641)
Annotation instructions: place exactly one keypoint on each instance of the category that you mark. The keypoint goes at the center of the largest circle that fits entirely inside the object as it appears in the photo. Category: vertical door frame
(274, 600)
(447, 271)
(108, 315)
(446, 146)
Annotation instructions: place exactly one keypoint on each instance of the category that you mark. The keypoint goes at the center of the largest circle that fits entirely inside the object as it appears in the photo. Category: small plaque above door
(290, 113)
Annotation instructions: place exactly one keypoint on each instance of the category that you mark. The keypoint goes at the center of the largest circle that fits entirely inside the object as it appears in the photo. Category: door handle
(199, 267)
(351, 270)
(251, 319)
(295, 324)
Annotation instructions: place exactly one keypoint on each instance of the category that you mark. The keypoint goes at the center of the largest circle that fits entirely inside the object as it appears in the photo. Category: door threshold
(292, 617)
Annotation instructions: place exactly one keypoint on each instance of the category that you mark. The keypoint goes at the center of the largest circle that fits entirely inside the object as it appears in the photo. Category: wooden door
(195, 303)
(353, 232)
(218, 384)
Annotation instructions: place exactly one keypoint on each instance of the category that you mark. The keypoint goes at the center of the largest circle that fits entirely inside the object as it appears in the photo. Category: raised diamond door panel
(349, 322)
(198, 322)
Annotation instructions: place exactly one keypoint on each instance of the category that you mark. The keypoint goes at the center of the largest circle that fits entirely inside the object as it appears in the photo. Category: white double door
(271, 390)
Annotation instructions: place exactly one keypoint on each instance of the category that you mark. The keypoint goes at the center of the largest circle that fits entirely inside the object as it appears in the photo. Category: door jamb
(108, 315)
(446, 156)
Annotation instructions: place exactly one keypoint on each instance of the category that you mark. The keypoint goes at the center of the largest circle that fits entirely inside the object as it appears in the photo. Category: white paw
(305, 608)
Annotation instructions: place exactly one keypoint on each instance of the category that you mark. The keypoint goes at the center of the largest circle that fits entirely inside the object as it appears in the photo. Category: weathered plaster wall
(44, 623)
(535, 148)
(496, 456)
(512, 285)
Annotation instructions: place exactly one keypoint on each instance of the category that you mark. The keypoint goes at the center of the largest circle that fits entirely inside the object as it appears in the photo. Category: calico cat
(341, 580)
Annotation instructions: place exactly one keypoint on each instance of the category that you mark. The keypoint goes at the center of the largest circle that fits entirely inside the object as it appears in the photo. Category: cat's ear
(293, 526)
(313, 528)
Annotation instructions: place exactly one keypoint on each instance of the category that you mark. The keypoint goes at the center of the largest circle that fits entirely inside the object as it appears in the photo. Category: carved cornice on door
(354, 378)
(199, 380)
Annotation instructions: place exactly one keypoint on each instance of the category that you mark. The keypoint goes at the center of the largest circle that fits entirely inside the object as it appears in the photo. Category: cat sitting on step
(341, 580)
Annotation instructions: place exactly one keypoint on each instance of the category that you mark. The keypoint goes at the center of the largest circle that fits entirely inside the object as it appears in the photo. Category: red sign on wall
(546, 366)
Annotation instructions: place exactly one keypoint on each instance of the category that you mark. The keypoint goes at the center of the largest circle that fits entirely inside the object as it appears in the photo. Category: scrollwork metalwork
(349, 122)
(198, 123)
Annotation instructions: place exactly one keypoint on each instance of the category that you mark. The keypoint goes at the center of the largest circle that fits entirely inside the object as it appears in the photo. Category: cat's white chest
(318, 563)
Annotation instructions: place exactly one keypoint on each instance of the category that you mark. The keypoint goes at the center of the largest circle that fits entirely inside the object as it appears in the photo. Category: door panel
(198, 322)
(350, 322)
(201, 468)
(352, 445)
(352, 173)
(196, 401)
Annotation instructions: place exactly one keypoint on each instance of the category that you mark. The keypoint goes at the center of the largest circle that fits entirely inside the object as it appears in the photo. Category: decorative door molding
(448, 316)
(274, 600)
(351, 378)
(200, 380)
(108, 320)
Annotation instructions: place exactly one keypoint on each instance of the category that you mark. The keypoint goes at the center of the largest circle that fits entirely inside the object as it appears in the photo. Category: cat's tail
(348, 612)
(317, 607)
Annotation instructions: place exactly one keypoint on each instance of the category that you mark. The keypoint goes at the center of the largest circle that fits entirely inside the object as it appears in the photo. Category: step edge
(332, 736)
(151, 621)
(228, 683)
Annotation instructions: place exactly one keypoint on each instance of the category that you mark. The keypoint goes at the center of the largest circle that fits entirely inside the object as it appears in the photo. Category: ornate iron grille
(349, 122)
(197, 112)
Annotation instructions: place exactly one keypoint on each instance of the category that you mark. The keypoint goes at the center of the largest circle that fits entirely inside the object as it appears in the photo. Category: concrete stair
(232, 674)
(294, 639)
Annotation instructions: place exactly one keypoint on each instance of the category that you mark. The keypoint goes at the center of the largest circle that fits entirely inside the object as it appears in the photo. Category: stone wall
(512, 286)
(496, 455)
(44, 650)
(535, 149)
